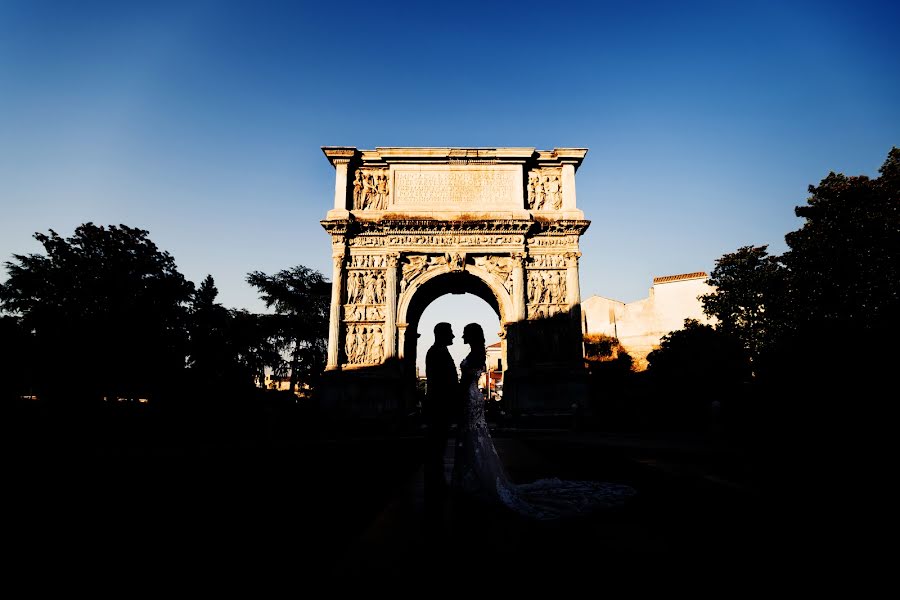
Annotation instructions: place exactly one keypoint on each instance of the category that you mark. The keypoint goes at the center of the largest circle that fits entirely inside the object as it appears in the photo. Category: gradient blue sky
(202, 122)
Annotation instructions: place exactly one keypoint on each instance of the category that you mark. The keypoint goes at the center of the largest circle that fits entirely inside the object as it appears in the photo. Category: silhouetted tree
(748, 302)
(845, 259)
(253, 338)
(16, 358)
(212, 356)
(700, 354)
(610, 375)
(825, 312)
(229, 347)
(844, 265)
(301, 298)
(107, 309)
(700, 367)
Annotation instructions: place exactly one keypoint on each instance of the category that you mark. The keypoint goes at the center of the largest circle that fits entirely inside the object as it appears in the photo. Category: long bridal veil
(479, 472)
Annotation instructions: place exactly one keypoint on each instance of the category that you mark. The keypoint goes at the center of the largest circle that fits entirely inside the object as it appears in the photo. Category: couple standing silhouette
(478, 473)
(445, 399)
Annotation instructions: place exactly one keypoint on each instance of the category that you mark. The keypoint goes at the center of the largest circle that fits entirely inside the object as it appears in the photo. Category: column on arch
(514, 329)
(390, 321)
(519, 291)
(334, 319)
(401, 339)
(568, 187)
(573, 288)
(340, 182)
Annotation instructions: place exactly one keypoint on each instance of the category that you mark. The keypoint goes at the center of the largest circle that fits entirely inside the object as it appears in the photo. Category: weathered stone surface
(411, 224)
(457, 187)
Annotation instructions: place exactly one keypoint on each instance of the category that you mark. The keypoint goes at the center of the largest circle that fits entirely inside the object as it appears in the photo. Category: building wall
(640, 325)
(493, 359)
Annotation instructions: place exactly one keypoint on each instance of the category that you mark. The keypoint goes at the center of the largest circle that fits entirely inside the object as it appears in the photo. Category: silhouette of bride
(478, 471)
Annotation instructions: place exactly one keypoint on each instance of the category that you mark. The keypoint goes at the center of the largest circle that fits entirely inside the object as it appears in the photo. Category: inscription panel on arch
(457, 187)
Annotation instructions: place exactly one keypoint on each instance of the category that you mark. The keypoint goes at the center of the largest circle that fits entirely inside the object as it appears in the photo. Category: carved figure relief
(413, 266)
(366, 290)
(362, 312)
(416, 264)
(499, 266)
(544, 189)
(367, 261)
(456, 260)
(364, 344)
(548, 261)
(547, 292)
(370, 189)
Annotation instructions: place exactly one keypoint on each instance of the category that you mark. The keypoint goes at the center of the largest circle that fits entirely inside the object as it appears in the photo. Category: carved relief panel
(544, 189)
(364, 344)
(500, 267)
(364, 309)
(546, 284)
(370, 189)
(414, 265)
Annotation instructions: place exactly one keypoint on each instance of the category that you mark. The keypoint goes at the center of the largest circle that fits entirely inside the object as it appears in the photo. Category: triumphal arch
(409, 225)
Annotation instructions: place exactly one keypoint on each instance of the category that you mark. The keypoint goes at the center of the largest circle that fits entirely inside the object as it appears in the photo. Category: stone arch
(443, 280)
(409, 225)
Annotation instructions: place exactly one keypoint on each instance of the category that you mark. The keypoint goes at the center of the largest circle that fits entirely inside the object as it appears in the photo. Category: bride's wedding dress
(479, 472)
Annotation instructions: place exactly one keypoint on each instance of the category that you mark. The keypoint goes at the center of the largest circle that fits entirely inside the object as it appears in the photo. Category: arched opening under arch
(464, 288)
(459, 311)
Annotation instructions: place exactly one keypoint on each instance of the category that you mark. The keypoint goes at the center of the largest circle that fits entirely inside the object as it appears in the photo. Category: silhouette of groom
(441, 407)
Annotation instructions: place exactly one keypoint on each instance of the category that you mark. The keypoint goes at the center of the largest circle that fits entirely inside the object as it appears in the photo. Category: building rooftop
(682, 277)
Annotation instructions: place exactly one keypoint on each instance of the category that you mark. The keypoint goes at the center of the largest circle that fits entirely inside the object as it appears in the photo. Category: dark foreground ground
(349, 509)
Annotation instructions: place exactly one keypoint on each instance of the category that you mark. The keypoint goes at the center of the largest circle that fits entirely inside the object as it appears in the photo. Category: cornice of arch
(393, 224)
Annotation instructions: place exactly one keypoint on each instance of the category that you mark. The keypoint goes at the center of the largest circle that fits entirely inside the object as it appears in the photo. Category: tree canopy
(844, 261)
(301, 299)
(700, 354)
(107, 310)
(748, 298)
(829, 305)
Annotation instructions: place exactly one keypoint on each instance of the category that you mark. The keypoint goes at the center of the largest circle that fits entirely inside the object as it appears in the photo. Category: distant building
(639, 326)
(283, 384)
(493, 357)
(492, 380)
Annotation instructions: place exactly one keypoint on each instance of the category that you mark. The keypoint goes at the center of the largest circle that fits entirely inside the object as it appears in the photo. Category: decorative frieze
(454, 239)
(548, 261)
(367, 261)
(366, 241)
(554, 241)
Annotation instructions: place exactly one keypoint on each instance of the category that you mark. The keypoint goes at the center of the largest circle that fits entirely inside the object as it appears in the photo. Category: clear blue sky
(202, 122)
